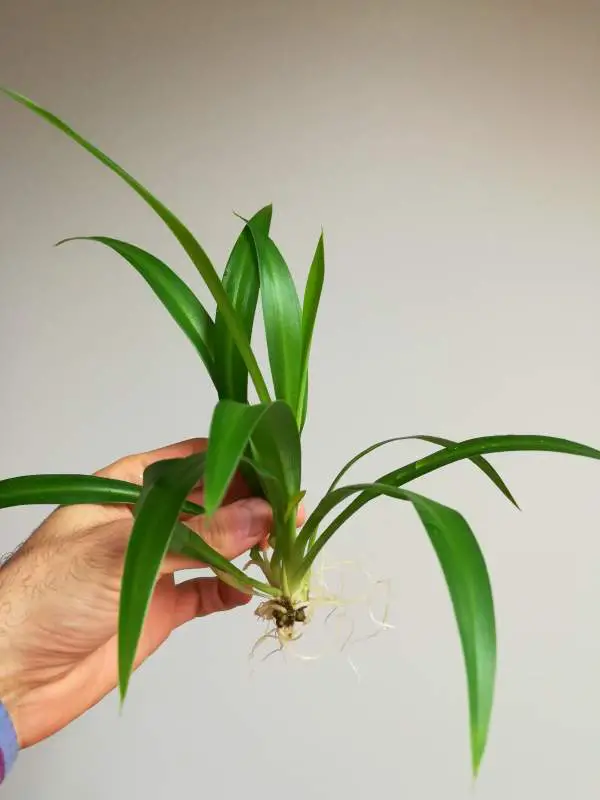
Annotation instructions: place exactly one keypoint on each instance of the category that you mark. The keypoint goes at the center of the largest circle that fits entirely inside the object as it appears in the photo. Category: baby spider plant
(261, 437)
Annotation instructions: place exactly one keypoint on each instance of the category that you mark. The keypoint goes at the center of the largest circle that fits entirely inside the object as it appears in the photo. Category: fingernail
(254, 519)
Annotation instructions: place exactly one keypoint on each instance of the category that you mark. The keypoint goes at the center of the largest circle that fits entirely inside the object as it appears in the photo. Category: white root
(354, 668)
(259, 641)
(280, 615)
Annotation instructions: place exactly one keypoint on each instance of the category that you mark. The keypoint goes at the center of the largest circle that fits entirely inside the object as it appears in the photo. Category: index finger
(131, 468)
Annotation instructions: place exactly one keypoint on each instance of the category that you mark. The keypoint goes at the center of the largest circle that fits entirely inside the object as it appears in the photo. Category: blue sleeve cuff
(9, 746)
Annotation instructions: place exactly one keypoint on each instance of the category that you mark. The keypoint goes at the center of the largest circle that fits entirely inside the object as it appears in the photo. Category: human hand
(59, 598)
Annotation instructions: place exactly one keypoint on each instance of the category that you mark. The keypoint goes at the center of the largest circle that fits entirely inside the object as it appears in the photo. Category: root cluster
(285, 614)
(287, 617)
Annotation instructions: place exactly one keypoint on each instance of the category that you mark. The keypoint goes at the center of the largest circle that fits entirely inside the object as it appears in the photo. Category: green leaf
(68, 490)
(310, 306)
(294, 502)
(271, 430)
(277, 451)
(328, 502)
(179, 230)
(464, 450)
(231, 427)
(468, 582)
(241, 283)
(282, 317)
(303, 403)
(166, 485)
(480, 462)
(187, 543)
(484, 445)
(181, 303)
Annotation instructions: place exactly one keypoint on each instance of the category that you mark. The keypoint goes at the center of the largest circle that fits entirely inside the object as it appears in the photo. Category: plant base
(286, 615)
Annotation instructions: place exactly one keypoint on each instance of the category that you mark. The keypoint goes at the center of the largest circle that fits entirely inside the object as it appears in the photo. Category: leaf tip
(123, 687)
(478, 745)
(509, 496)
(11, 93)
(210, 508)
(67, 240)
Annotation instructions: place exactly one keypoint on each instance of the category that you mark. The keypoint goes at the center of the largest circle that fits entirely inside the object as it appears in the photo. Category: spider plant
(261, 436)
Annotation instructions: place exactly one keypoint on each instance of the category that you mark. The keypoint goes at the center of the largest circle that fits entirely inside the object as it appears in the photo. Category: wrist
(40, 709)
(10, 701)
(19, 701)
(9, 744)
(30, 710)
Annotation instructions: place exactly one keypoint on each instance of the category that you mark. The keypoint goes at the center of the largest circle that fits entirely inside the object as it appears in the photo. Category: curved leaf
(282, 317)
(179, 230)
(271, 430)
(277, 451)
(166, 485)
(466, 574)
(482, 445)
(185, 542)
(241, 283)
(310, 307)
(328, 502)
(479, 461)
(231, 427)
(179, 300)
(68, 490)
(468, 582)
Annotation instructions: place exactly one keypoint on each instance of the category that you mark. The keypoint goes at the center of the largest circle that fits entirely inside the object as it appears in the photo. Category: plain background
(451, 151)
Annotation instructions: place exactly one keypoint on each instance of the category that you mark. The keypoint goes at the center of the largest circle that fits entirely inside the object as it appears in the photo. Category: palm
(65, 584)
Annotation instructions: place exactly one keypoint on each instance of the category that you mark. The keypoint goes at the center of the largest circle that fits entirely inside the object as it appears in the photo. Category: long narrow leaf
(276, 447)
(271, 428)
(231, 427)
(466, 574)
(483, 445)
(179, 300)
(282, 317)
(185, 542)
(310, 307)
(179, 230)
(241, 283)
(468, 582)
(66, 490)
(328, 502)
(479, 461)
(167, 483)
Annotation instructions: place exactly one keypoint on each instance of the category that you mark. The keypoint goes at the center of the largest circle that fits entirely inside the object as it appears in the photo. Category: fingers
(131, 468)
(237, 489)
(301, 516)
(235, 528)
(201, 596)
(232, 530)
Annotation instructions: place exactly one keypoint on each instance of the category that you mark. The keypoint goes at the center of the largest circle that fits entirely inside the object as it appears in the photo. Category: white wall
(451, 151)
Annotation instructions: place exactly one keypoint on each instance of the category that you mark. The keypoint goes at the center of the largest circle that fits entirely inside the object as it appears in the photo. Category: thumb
(235, 528)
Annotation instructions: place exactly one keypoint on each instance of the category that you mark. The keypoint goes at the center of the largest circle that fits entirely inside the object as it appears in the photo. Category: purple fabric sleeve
(9, 746)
